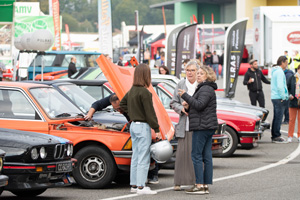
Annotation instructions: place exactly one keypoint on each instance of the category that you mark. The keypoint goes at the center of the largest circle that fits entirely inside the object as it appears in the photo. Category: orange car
(100, 149)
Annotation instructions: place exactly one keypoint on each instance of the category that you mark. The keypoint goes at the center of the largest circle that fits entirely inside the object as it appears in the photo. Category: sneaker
(145, 190)
(154, 180)
(133, 190)
(206, 190)
(177, 188)
(289, 140)
(196, 190)
(285, 122)
(279, 140)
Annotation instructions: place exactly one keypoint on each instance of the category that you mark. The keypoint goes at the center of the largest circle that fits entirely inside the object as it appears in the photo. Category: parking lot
(269, 171)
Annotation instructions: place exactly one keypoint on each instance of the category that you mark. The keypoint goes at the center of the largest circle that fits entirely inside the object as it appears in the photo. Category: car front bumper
(38, 175)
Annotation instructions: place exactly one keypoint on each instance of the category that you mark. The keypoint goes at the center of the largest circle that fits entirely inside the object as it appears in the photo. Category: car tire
(95, 167)
(1, 190)
(229, 145)
(28, 192)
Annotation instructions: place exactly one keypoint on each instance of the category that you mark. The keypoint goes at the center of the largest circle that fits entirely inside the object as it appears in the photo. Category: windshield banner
(234, 46)
(185, 47)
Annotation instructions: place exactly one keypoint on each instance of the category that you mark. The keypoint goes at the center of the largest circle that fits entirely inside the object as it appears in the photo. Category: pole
(137, 28)
(33, 76)
(164, 17)
(213, 33)
(203, 39)
(42, 70)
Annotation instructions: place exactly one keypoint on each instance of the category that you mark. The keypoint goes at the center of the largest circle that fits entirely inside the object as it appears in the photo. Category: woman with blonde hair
(202, 112)
(137, 102)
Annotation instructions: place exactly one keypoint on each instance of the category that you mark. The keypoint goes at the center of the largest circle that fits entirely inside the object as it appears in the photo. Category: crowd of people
(194, 100)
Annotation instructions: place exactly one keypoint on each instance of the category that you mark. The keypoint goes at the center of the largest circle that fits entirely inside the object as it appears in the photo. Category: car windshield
(79, 97)
(54, 104)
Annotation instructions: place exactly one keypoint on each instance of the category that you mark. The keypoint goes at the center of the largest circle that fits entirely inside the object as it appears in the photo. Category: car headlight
(70, 150)
(43, 153)
(1, 164)
(34, 154)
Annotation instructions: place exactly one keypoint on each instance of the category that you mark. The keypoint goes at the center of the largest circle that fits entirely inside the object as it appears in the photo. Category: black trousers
(257, 96)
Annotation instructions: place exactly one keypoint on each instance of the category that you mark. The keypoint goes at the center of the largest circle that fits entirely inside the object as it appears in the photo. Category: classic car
(101, 150)
(59, 60)
(35, 162)
(3, 178)
(100, 89)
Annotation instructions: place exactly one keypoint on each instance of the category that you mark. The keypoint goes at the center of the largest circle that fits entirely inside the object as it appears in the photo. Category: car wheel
(95, 168)
(28, 192)
(229, 145)
(1, 190)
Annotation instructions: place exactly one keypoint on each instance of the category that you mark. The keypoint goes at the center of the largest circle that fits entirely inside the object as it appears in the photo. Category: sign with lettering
(27, 9)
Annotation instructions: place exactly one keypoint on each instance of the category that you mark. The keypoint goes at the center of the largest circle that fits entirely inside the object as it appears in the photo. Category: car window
(94, 91)
(168, 87)
(80, 60)
(15, 105)
(48, 60)
(54, 103)
(164, 98)
(78, 96)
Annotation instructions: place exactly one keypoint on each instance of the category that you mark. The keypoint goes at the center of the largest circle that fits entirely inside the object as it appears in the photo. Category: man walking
(279, 97)
(215, 63)
(253, 79)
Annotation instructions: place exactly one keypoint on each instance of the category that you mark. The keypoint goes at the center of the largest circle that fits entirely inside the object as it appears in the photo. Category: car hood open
(121, 79)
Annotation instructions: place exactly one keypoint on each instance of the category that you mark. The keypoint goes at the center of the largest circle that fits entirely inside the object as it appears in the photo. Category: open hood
(121, 79)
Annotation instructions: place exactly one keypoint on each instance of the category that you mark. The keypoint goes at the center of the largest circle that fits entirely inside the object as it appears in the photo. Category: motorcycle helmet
(161, 151)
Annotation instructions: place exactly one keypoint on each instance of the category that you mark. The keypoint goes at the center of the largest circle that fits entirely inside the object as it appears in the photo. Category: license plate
(64, 167)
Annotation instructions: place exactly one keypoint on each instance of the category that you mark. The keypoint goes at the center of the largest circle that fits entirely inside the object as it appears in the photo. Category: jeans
(141, 140)
(216, 69)
(202, 156)
(257, 96)
(286, 112)
(278, 108)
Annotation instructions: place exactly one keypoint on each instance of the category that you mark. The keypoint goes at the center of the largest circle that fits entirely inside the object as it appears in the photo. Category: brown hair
(165, 68)
(298, 67)
(142, 75)
(210, 73)
(113, 98)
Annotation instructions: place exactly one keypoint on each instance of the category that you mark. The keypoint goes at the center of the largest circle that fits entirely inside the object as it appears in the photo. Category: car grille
(59, 151)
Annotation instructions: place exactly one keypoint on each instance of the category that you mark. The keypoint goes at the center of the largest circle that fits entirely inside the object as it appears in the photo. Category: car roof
(21, 84)
(72, 52)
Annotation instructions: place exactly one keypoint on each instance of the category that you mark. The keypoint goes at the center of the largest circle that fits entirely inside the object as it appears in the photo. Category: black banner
(141, 47)
(234, 46)
(171, 49)
(185, 46)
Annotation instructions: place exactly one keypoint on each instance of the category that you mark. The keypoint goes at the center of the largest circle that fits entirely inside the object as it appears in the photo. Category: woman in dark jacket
(203, 122)
(293, 85)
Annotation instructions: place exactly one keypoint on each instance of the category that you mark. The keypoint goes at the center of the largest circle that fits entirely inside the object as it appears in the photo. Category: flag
(56, 22)
(234, 46)
(171, 49)
(105, 27)
(185, 46)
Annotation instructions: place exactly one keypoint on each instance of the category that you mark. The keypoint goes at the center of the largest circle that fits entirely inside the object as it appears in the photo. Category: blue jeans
(216, 69)
(141, 140)
(201, 154)
(286, 112)
(278, 108)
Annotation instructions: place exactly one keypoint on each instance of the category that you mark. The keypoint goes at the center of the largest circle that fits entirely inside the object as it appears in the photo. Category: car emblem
(50, 140)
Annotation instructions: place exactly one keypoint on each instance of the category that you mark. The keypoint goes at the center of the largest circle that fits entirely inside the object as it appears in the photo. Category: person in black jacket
(293, 85)
(288, 73)
(203, 122)
(72, 68)
(252, 79)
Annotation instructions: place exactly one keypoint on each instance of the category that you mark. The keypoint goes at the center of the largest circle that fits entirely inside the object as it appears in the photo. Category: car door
(17, 111)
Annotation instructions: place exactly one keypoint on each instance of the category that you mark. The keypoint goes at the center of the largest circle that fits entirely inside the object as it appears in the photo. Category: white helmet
(161, 151)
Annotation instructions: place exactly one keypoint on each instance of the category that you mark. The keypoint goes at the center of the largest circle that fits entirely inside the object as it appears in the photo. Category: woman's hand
(185, 105)
(181, 92)
(158, 136)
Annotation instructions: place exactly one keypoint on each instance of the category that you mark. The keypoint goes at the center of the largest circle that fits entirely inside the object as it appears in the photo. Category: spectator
(296, 60)
(245, 55)
(202, 112)
(137, 102)
(157, 55)
(163, 70)
(72, 67)
(184, 171)
(103, 103)
(289, 59)
(2, 70)
(293, 85)
(124, 51)
(279, 97)
(147, 56)
(252, 79)
(215, 63)
(288, 73)
(208, 57)
(120, 61)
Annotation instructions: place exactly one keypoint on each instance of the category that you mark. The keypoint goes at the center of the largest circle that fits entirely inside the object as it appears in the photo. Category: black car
(3, 178)
(35, 161)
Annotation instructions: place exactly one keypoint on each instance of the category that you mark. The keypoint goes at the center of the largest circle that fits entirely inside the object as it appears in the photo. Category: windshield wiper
(63, 115)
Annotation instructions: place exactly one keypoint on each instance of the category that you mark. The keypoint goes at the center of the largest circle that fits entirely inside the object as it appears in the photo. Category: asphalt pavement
(270, 171)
